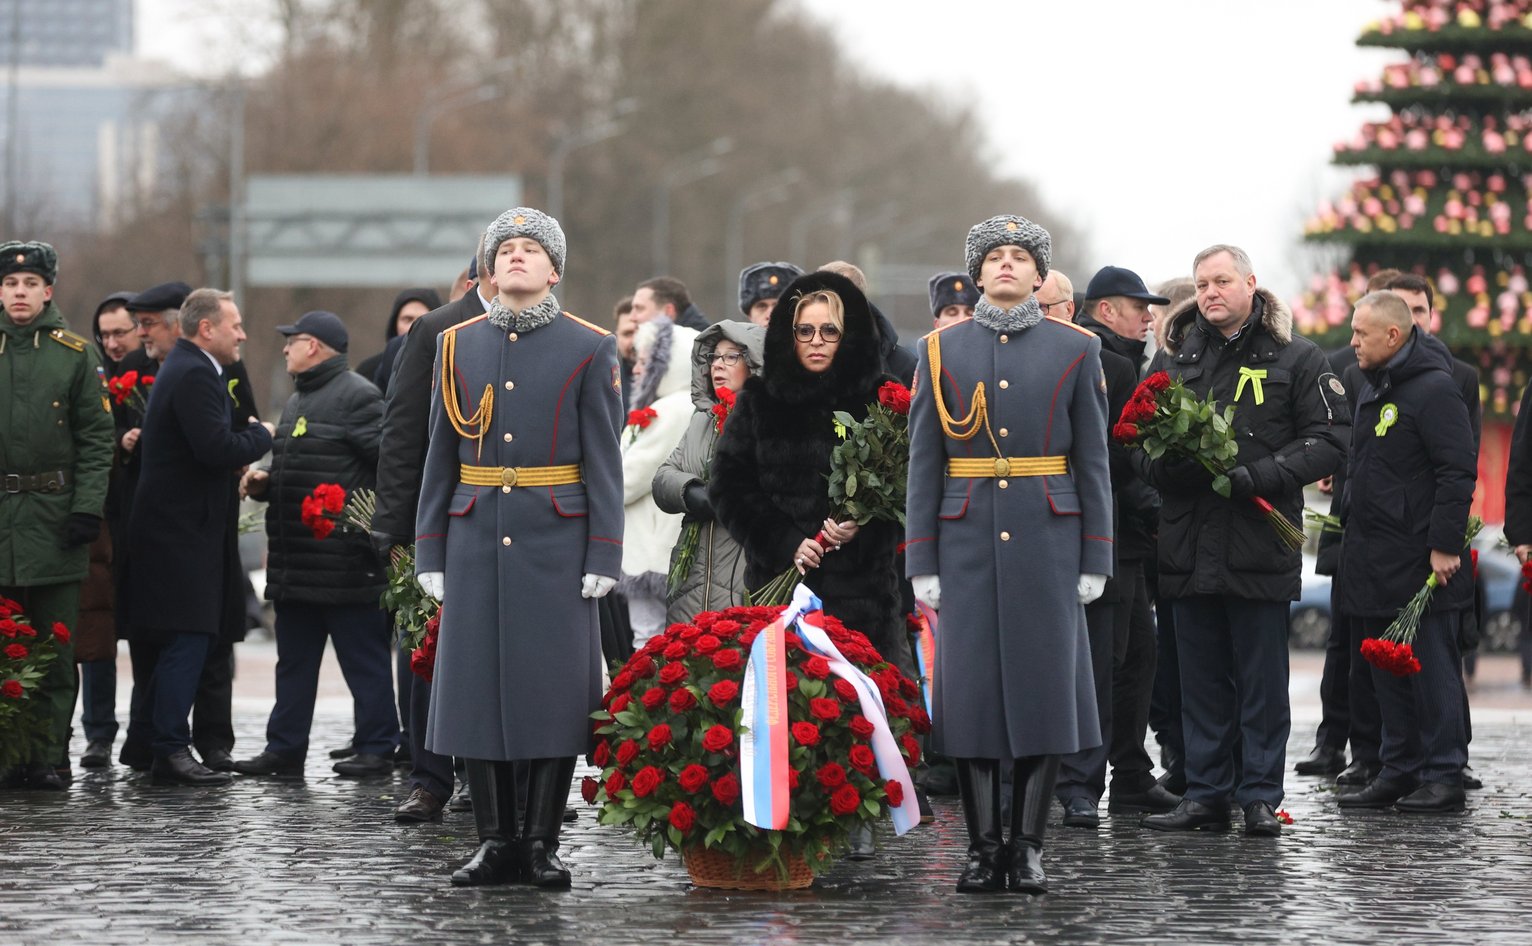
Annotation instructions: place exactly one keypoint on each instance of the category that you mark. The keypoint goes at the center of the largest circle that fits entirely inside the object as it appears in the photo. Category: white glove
(1091, 587)
(432, 583)
(928, 589)
(596, 586)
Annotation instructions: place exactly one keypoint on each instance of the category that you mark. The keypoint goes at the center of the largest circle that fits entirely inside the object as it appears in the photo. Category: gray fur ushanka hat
(1007, 230)
(524, 222)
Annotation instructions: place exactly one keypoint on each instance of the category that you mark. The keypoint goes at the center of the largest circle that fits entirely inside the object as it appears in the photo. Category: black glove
(1241, 483)
(695, 498)
(1258, 478)
(1184, 476)
(81, 528)
(384, 543)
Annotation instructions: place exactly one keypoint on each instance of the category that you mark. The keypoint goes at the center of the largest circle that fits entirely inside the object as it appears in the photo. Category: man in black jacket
(1409, 486)
(1228, 574)
(401, 456)
(325, 583)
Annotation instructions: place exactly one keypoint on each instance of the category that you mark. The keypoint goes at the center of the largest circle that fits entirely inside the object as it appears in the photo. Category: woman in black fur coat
(770, 484)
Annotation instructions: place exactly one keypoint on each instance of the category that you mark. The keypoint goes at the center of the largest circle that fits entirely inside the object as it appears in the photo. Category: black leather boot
(1032, 780)
(979, 788)
(548, 791)
(494, 814)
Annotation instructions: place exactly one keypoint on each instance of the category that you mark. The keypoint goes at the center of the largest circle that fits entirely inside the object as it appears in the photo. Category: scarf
(1016, 319)
(527, 319)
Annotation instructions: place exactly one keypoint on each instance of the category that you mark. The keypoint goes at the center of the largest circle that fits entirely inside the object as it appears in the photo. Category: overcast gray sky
(1162, 126)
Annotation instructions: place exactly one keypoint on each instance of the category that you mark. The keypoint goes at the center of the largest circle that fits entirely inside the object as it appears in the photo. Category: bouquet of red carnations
(132, 389)
(1164, 417)
(1394, 651)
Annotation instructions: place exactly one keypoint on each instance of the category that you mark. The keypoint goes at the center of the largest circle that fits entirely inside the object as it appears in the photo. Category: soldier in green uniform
(55, 452)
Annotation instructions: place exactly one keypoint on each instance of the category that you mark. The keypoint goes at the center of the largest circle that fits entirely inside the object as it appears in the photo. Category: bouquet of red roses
(25, 654)
(1164, 417)
(1394, 651)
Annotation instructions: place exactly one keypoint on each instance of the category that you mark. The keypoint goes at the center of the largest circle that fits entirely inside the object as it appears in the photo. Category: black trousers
(211, 706)
(1425, 737)
(1165, 695)
(428, 770)
(1335, 685)
(1134, 657)
(1364, 722)
(1084, 772)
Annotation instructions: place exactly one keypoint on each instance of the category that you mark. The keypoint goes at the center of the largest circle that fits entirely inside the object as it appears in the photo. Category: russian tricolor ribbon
(925, 650)
(763, 761)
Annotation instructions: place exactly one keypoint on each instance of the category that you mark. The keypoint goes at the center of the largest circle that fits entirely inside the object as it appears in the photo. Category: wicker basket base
(721, 870)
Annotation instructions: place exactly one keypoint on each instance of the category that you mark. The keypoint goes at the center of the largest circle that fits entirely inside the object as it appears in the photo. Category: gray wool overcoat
(1013, 671)
(518, 660)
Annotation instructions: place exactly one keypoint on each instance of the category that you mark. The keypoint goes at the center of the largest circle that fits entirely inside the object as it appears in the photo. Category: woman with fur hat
(726, 354)
(661, 409)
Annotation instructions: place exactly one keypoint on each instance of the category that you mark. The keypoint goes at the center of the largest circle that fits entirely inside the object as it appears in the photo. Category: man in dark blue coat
(1409, 486)
(179, 522)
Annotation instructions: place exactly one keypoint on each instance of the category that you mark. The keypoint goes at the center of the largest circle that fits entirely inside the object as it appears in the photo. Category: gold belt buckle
(508, 476)
(1002, 466)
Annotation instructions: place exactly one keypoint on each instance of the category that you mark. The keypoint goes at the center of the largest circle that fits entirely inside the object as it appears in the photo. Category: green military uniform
(56, 439)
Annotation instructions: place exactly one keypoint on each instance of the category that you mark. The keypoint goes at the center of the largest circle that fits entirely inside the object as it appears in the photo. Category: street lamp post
(438, 103)
(684, 170)
(773, 190)
(606, 126)
(837, 207)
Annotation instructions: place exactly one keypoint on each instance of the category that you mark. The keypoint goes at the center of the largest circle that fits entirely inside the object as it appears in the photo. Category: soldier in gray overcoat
(521, 495)
(1009, 521)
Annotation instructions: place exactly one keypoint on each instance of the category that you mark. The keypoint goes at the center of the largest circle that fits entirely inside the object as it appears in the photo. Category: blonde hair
(851, 271)
(830, 299)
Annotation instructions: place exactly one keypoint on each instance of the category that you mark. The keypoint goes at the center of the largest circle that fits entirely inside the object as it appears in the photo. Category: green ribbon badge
(1386, 419)
(232, 383)
(1255, 376)
(301, 427)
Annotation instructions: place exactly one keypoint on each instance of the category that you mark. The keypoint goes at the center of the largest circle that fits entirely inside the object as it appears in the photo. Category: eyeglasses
(1048, 305)
(728, 359)
(118, 333)
(806, 333)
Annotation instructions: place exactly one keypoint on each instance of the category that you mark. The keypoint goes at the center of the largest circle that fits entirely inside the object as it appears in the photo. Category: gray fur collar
(996, 319)
(527, 319)
(1276, 318)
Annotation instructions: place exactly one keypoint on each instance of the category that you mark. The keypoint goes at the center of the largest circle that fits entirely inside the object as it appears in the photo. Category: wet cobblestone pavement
(118, 860)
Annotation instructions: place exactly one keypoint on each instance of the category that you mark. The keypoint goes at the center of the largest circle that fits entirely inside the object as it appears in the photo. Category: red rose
(920, 720)
(682, 817)
(690, 632)
(682, 700)
(895, 397)
(911, 750)
(821, 708)
(845, 800)
(792, 779)
(627, 752)
(646, 781)
(723, 629)
(652, 697)
(673, 674)
(11, 689)
(659, 737)
(622, 681)
(895, 793)
(147, 381)
(806, 734)
(588, 789)
(726, 789)
(792, 680)
(717, 738)
(861, 726)
(621, 702)
(862, 758)
(1124, 432)
(614, 784)
(60, 632)
(723, 692)
(907, 687)
(26, 630)
(640, 666)
(817, 667)
(675, 650)
(602, 755)
(692, 778)
(1159, 381)
(846, 691)
(8, 628)
(706, 644)
(16, 651)
(831, 775)
(896, 706)
(728, 659)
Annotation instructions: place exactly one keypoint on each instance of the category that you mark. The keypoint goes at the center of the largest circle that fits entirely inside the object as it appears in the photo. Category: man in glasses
(1056, 296)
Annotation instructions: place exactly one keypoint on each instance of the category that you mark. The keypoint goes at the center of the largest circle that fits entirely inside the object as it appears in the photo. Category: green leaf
(659, 846)
(850, 486)
(1221, 485)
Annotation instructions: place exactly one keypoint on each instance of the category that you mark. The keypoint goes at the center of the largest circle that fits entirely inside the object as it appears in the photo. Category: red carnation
(652, 697)
(846, 691)
(642, 417)
(692, 778)
(673, 674)
(717, 738)
(895, 793)
(862, 758)
(323, 527)
(895, 397)
(831, 775)
(588, 789)
(16, 651)
(602, 755)
(821, 708)
(726, 789)
(682, 817)
(723, 692)
(659, 737)
(845, 800)
(647, 780)
(682, 700)
(817, 667)
(614, 784)
(806, 734)
(707, 644)
(11, 689)
(728, 659)
(627, 752)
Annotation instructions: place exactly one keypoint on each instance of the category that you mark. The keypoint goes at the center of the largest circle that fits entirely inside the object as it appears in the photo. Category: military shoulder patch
(616, 381)
(1334, 384)
(594, 328)
(68, 339)
(1068, 324)
(465, 323)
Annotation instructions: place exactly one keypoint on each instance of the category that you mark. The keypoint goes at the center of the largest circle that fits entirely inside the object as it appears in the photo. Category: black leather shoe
(544, 869)
(493, 863)
(924, 804)
(420, 806)
(1358, 773)
(463, 800)
(1190, 816)
(862, 847)
(344, 752)
(269, 763)
(1080, 812)
(1157, 799)
(42, 776)
(364, 765)
(1379, 793)
(179, 768)
(1471, 782)
(1024, 873)
(1322, 761)
(98, 754)
(1432, 798)
(219, 760)
(571, 816)
(135, 758)
(940, 779)
(1261, 821)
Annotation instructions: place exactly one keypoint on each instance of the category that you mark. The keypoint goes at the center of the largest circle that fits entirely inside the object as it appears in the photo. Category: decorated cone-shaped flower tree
(1450, 197)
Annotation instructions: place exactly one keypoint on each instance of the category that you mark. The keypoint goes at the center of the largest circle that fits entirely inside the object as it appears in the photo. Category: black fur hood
(858, 363)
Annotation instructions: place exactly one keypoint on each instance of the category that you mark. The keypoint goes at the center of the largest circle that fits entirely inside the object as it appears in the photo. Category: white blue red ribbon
(925, 650)
(763, 761)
